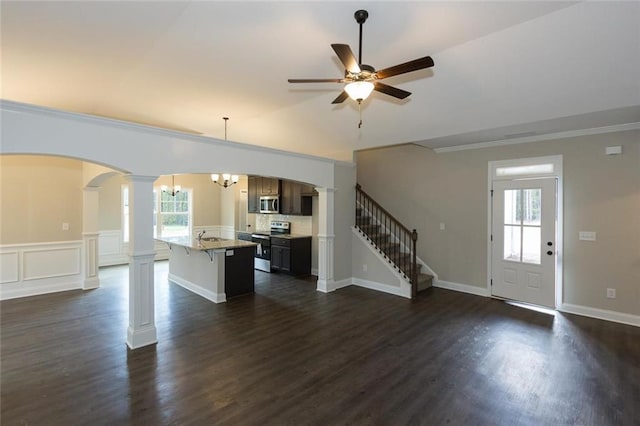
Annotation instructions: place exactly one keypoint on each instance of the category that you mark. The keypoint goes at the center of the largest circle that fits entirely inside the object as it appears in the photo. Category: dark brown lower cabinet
(238, 271)
(291, 255)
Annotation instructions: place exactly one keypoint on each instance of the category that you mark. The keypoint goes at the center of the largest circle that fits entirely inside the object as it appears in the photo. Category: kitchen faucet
(200, 234)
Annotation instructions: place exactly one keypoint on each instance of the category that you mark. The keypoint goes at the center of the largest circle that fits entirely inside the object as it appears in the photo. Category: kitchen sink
(212, 239)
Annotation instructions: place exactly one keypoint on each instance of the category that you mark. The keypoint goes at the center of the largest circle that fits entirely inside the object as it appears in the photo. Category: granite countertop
(291, 236)
(204, 245)
(287, 236)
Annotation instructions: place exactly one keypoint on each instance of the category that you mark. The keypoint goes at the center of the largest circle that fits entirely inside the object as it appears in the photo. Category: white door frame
(523, 171)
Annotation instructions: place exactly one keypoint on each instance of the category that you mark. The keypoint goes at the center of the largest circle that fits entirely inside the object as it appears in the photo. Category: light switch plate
(613, 150)
(587, 235)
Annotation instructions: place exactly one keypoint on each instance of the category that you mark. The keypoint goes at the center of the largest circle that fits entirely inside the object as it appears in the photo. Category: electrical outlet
(442, 226)
(364, 268)
(611, 293)
(65, 226)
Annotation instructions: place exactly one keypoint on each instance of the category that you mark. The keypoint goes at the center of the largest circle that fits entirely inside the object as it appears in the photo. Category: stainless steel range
(263, 251)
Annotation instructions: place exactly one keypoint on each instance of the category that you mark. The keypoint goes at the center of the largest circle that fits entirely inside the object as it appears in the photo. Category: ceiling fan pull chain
(360, 112)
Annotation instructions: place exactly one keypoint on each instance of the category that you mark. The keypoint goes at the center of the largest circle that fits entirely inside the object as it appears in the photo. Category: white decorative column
(90, 235)
(142, 328)
(326, 238)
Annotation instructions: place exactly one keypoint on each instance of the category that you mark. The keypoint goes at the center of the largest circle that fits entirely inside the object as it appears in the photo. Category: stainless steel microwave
(269, 204)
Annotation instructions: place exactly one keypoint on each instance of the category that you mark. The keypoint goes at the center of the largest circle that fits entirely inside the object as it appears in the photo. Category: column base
(326, 286)
(141, 337)
(91, 283)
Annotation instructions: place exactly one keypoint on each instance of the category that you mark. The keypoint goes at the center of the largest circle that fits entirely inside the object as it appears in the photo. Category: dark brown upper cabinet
(295, 198)
(269, 186)
(253, 198)
(292, 200)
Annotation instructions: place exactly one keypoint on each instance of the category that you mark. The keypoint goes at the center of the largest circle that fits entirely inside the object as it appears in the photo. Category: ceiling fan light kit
(359, 90)
(362, 79)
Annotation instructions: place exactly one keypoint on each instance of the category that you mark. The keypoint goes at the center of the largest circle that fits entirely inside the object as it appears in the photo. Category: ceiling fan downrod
(361, 17)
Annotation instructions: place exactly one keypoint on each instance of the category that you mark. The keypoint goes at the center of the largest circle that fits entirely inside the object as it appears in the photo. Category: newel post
(414, 265)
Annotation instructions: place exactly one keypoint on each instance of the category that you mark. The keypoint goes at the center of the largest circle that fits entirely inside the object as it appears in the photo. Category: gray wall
(601, 194)
(345, 201)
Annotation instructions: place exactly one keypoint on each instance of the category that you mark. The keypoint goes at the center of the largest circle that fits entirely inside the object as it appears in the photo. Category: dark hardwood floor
(292, 355)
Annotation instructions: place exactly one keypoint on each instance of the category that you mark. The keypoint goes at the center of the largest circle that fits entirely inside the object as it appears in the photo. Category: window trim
(124, 217)
(157, 231)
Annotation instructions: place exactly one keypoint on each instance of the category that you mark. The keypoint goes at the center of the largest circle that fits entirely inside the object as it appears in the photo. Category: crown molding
(541, 138)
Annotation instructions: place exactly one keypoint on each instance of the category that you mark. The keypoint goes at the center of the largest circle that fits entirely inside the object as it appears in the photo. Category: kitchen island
(214, 268)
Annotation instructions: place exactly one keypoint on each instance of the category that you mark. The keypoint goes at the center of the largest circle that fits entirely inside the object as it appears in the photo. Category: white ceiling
(501, 68)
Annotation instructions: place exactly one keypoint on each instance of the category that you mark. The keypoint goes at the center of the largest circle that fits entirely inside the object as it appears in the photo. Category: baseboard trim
(42, 288)
(464, 288)
(342, 283)
(385, 288)
(603, 314)
(209, 295)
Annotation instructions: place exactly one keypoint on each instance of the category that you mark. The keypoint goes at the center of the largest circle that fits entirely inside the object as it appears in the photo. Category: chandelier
(227, 179)
(174, 188)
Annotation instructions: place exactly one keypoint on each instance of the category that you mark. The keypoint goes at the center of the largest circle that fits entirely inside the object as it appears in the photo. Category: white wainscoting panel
(39, 268)
(110, 242)
(9, 267)
(228, 232)
(51, 262)
(111, 249)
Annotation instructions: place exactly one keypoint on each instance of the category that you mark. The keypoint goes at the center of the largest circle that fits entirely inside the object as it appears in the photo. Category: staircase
(392, 240)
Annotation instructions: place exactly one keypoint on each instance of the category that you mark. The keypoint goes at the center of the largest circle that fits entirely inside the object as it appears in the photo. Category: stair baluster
(390, 237)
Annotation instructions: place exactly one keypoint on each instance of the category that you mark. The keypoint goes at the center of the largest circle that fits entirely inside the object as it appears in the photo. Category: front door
(523, 253)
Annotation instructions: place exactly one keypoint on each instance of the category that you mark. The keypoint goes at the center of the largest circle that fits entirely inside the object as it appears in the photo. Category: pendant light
(227, 178)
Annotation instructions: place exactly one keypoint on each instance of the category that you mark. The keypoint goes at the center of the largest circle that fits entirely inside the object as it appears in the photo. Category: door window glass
(522, 225)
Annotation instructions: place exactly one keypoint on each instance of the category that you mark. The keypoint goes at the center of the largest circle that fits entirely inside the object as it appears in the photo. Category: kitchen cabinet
(281, 258)
(293, 201)
(307, 189)
(214, 268)
(291, 255)
(269, 186)
(238, 271)
(295, 198)
(258, 186)
(253, 198)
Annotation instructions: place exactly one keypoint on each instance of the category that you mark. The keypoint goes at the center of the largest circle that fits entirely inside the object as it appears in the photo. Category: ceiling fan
(362, 79)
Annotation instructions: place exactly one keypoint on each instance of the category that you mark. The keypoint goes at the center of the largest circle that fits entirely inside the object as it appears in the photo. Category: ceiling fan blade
(415, 65)
(341, 98)
(316, 80)
(346, 56)
(390, 90)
